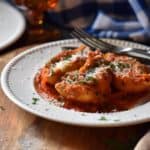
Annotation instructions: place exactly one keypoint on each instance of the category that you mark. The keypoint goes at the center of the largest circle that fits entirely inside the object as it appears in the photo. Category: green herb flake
(82, 81)
(50, 102)
(69, 80)
(67, 57)
(118, 65)
(87, 80)
(92, 80)
(112, 66)
(121, 66)
(91, 70)
(52, 72)
(34, 100)
(75, 77)
(2, 108)
(103, 118)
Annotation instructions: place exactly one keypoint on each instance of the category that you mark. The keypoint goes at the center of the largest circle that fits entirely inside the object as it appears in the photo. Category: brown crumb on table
(2, 108)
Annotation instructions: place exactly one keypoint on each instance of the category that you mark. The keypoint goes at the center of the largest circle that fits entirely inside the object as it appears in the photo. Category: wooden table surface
(20, 130)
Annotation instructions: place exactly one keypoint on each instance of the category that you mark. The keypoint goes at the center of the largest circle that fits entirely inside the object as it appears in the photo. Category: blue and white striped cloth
(123, 19)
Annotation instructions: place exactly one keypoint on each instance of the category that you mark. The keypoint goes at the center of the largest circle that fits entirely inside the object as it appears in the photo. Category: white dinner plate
(12, 25)
(17, 83)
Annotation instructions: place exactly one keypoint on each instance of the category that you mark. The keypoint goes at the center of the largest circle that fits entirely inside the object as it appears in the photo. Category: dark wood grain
(20, 130)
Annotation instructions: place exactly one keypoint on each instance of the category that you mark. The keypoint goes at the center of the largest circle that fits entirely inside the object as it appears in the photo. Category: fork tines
(90, 41)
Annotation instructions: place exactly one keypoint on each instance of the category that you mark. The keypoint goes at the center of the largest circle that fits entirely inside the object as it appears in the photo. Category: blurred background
(48, 20)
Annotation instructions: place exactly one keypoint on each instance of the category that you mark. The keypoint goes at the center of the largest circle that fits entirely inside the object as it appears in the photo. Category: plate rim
(11, 97)
(19, 32)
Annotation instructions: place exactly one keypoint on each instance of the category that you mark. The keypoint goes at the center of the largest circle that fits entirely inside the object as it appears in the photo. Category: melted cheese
(61, 65)
(96, 71)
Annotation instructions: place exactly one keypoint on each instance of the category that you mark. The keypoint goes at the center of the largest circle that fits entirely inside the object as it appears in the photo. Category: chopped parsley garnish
(88, 79)
(50, 102)
(82, 81)
(67, 57)
(91, 70)
(112, 66)
(75, 76)
(34, 100)
(119, 66)
(69, 80)
(52, 72)
(103, 118)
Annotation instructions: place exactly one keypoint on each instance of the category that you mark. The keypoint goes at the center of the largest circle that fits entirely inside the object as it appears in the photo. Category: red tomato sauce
(117, 102)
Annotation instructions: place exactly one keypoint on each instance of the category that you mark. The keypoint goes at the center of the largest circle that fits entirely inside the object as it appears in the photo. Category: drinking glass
(34, 11)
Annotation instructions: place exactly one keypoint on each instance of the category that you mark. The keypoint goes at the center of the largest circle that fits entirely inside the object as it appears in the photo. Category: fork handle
(135, 50)
(142, 57)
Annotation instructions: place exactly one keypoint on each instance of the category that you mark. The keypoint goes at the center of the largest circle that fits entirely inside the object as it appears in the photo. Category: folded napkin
(124, 19)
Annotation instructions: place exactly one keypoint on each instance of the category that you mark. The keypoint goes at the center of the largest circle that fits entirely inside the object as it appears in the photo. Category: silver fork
(95, 43)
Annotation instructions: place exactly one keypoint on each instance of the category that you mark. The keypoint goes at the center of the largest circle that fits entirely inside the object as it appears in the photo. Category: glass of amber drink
(34, 11)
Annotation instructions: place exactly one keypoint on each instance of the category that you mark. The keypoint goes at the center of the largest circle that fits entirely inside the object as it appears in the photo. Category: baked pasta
(92, 79)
